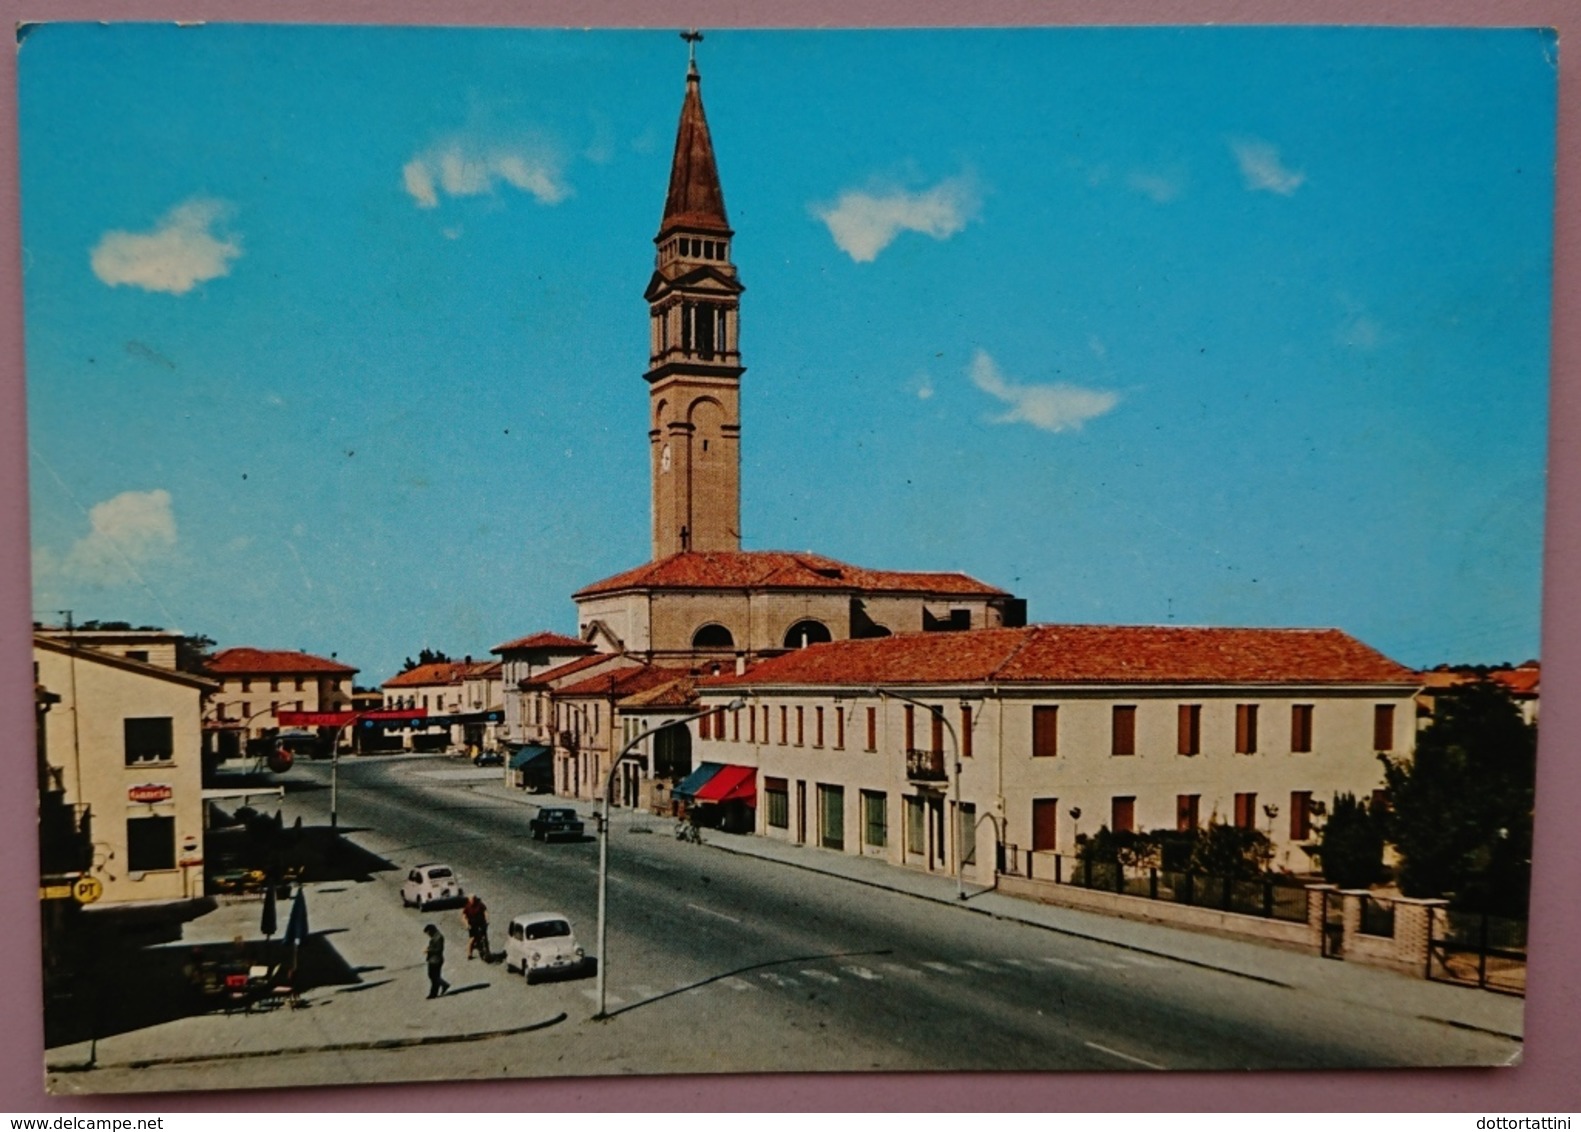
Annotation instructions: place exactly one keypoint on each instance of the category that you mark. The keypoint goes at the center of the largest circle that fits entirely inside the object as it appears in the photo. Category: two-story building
(462, 699)
(121, 750)
(525, 657)
(906, 748)
(257, 684)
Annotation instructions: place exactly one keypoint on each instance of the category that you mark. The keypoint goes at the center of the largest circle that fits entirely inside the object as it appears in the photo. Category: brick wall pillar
(1411, 937)
(1315, 913)
(1353, 898)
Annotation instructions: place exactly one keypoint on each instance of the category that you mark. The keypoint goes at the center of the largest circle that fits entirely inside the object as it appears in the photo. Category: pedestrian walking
(475, 913)
(435, 954)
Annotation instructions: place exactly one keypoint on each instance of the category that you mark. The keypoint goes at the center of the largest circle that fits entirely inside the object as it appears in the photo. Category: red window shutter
(966, 731)
(704, 727)
(1189, 730)
(784, 725)
(1186, 812)
(817, 726)
(1300, 815)
(1301, 728)
(839, 728)
(1246, 811)
(735, 725)
(1045, 824)
(1123, 741)
(1045, 732)
(1383, 727)
(872, 729)
(911, 728)
(752, 725)
(1123, 815)
(801, 725)
(1246, 729)
(936, 738)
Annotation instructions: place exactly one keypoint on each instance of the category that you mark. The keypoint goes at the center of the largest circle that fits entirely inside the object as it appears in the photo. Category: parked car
(428, 885)
(489, 758)
(541, 944)
(555, 821)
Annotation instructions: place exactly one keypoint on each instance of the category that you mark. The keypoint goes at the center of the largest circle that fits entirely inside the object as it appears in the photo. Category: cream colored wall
(318, 693)
(1002, 778)
(92, 760)
(757, 619)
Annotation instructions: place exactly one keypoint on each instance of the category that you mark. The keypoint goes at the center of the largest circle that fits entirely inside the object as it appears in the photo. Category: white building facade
(1058, 731)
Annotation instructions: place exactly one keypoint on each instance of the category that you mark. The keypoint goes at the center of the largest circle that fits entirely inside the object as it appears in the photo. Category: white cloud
(125, 532)
(180, 252)
(1263, 170)
(1053, 408)
(864, 224)
(1158, 187)
(924, 387)
(460, 168)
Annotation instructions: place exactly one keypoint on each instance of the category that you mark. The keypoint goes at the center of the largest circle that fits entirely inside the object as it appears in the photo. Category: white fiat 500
(428, 885)
(542, 944)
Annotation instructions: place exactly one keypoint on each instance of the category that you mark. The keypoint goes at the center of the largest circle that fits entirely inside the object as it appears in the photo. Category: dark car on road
(553, 822)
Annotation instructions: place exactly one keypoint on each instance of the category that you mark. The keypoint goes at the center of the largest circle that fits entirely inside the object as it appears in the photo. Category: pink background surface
(1548, 1079)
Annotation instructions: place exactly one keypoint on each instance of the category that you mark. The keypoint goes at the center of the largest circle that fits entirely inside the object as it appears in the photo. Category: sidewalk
(1353, 982)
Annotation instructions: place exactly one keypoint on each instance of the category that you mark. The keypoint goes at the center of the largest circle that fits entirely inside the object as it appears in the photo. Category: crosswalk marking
(781, 981)
(821, 976)
(863, 973)
(1024, 964)
(897, 969)
(1066, 963)
(738, 984)
(981, 965)
(1112, 964)
(942, 968)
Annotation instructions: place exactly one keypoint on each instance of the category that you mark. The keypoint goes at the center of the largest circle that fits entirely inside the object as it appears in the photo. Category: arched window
(713, 637)
(805, 633)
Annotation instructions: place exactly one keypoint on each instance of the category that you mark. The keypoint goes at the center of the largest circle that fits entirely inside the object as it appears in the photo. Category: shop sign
(150, 792)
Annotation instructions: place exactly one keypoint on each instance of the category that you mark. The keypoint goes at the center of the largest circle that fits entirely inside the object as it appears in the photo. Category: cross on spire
(693, 37)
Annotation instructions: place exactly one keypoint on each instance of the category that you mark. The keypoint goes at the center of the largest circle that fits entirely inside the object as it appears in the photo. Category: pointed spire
(695, 200)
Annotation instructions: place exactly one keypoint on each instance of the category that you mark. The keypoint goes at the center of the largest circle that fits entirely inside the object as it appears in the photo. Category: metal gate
(1476, 949)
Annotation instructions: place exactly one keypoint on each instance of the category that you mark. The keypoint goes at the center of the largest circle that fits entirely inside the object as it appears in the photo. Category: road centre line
(1124, 1056)
(711, 912)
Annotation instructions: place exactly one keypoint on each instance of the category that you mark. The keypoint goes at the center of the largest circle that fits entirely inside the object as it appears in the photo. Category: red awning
(731, 784)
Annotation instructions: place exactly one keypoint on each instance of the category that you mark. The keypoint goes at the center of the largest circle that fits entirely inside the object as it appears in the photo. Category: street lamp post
(955, 777)
(603, 837)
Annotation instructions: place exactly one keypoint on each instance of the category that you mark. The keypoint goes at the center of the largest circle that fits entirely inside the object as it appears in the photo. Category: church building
(702, 599)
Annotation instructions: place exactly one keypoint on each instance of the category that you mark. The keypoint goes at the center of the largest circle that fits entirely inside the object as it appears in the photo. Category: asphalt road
(719, 962)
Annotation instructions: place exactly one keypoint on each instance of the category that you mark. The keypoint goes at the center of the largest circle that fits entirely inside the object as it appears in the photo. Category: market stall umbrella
(296, 924)
(270, 922)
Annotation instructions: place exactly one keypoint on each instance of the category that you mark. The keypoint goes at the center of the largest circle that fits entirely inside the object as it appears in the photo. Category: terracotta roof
(254, 662)
(622, 683)
(1085, 654)
(695, 199)
(553, 642)
(445, 672)
(569, 668)
(1523, 681)
(680, 693)
(780, 569)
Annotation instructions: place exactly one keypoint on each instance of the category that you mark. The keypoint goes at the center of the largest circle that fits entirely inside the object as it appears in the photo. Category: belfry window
(706, 315)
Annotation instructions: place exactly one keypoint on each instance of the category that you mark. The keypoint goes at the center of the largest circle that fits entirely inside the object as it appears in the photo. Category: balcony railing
(925, 766)
(65, 836)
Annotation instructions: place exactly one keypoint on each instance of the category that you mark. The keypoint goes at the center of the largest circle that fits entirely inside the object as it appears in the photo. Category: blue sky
(335, 335)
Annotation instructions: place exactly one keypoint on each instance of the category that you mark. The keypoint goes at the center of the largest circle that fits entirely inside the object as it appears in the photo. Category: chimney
(741, 663)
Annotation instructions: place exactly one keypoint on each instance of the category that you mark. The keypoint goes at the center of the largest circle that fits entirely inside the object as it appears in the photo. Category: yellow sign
(55, 892)
(87, 889)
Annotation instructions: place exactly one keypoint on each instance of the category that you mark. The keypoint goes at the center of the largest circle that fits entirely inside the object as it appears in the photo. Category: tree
(1460, 811)
(1230, 851)
(194, 652)
(1352, 844)
(426, 656)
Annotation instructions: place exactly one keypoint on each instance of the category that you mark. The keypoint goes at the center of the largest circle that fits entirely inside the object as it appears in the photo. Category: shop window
(150, 844)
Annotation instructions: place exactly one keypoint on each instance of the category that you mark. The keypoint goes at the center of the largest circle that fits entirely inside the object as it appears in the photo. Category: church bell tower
(694, 359)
